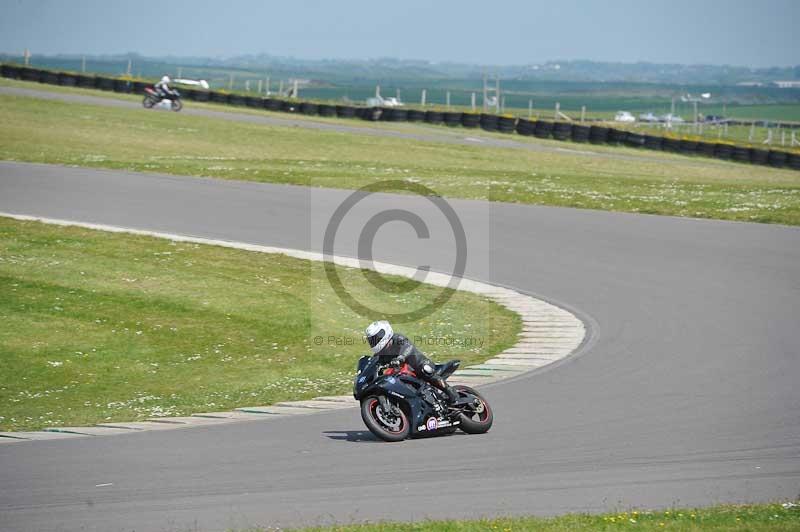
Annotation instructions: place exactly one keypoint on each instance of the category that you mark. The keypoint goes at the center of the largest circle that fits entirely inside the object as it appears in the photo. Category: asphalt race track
(685, 393)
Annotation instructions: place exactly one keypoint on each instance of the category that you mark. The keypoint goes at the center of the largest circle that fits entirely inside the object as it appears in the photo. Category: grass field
(107, 327)
(618, 179)
(782, 517)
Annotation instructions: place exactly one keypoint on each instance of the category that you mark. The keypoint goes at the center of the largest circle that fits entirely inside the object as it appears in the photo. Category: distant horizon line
(132, 54)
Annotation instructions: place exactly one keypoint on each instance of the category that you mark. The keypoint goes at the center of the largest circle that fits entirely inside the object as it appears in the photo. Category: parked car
(648, 117)
(384, 102)
(624, 116)
(669, 118)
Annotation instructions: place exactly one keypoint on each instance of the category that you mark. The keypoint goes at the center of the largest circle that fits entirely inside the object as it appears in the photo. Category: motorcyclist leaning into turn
(395, 349)
(163, 88)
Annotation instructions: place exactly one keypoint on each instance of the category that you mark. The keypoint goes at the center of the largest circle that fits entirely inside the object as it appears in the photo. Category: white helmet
(379, 333)
(165, 79)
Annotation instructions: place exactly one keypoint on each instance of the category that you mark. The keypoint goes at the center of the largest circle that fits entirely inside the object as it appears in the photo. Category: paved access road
(687, 392)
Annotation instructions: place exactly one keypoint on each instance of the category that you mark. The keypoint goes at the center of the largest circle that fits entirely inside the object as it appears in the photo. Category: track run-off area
(685, 394)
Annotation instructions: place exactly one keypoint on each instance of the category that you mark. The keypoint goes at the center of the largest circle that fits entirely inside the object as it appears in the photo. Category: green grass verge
(99, 326)
(67, 133)
(755, 518)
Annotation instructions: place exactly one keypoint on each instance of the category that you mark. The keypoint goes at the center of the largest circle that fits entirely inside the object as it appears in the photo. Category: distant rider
(162, 87)
(396, 349)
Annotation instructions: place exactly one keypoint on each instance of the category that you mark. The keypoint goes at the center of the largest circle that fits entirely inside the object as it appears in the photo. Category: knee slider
(427, 369)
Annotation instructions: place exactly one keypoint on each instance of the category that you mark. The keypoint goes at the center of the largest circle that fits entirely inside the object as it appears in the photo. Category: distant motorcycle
(152, 98)
(395, 404)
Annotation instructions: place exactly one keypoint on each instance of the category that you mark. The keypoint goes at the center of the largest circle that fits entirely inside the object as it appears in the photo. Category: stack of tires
(489, 122)
(237, 99)
(122, 85)
(137, 87)
(252, 101)
(759, 156)
(272, 104)
(506, 124)
(30, 74)
(308, 108)
(723, 151)
(634, 140)
(288, 106)
(598, 134)
(189, 94)
(688, 147)
(616, 136)
(562, 130)
(415, 115)
(543, 129)
(654, 142)
(672, 145)
(84, 82)
(777, 158)
(372, 114)
(66, 80)
(219, 97)
(49, 77)
(326, 110)
(434, 117)
(104, 84)
(345, 111)
(793, 160)
(580, 133)
(451, 118)
(741, 154)
(525, 127)
(706, 149)
(471, 120)
(400, 115)
(9, 71)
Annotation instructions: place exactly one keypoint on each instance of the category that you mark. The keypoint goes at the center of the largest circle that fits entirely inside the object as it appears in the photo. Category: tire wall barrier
(562, 130)
(580, 133)
(488, 122)
(543, 129)
(345, 111)
(506, 124)
(525, 127)
(471, 120)
(434, 117)
(250, 101)
(598, 134)
(67, 80)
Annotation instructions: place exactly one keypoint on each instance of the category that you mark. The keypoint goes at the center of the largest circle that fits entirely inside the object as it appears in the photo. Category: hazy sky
(743, 32)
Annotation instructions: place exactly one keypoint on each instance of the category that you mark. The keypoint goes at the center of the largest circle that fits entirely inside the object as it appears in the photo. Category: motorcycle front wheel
(177, 105)
(389, 426)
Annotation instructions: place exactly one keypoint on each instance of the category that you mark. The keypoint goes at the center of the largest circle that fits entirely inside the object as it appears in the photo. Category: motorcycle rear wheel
(379, 424)
(480, 418)
(148, 102)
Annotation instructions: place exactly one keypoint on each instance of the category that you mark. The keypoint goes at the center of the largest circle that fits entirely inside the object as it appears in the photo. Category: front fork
(384, 402)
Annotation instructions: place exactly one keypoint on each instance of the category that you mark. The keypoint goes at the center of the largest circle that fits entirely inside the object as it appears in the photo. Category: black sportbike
(153, 97)
(395, 404)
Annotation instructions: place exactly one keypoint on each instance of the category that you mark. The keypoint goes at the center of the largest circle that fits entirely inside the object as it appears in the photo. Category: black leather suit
(401, 348)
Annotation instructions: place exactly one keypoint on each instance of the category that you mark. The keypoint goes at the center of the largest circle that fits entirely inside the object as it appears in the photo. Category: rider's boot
(452, 395)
